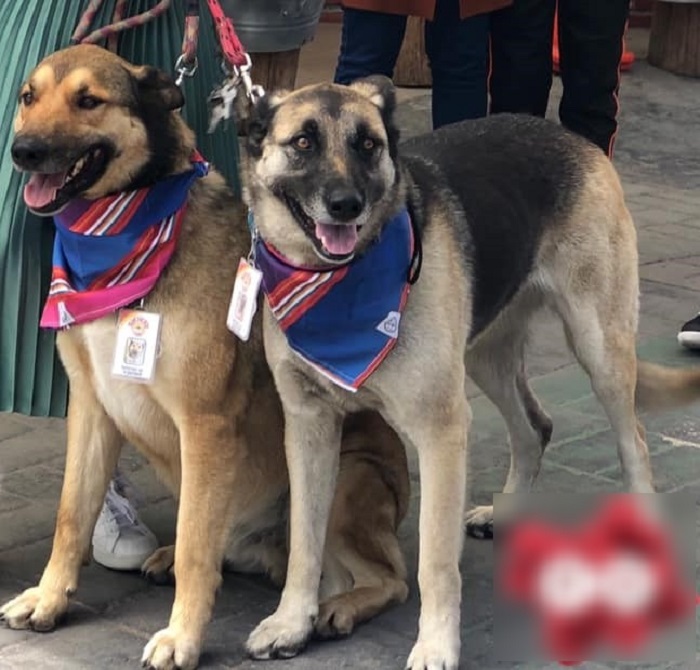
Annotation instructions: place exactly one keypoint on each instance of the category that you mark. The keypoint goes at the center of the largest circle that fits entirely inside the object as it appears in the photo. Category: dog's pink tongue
(338, 240)
(41, 189)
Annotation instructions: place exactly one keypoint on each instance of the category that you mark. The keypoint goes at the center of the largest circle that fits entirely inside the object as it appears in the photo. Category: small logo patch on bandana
(110, 252)
(343, 321)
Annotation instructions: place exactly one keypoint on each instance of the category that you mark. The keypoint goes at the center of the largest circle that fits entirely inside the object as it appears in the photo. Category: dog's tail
(660, 388)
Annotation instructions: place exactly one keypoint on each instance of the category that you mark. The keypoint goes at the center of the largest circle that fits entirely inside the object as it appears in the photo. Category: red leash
(236, 65)
(233, 51)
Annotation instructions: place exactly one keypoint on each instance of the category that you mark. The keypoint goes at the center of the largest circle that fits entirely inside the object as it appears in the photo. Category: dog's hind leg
(93, 448)
(375, 587)
(364, 569)
(605, 348)
(498, 368)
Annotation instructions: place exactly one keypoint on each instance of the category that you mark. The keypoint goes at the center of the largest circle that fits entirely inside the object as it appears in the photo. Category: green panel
(31, 376)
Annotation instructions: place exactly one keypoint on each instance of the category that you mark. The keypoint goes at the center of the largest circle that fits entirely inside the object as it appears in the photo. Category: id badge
(244, 300)
(138, 342)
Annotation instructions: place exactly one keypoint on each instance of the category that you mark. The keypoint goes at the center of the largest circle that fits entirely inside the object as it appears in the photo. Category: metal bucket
(273, 25)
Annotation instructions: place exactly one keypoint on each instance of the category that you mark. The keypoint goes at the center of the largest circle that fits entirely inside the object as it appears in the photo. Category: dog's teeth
(77, 167)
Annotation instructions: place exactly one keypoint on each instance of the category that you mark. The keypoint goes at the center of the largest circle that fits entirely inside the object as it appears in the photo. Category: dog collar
(343, 321)
(110, 252)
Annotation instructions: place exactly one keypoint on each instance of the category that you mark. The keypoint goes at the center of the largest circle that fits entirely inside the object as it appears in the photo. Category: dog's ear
(154, 83)
(261, 113)
(381, 92)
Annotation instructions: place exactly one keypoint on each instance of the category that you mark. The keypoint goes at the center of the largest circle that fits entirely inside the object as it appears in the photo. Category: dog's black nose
(29, 152)
(344, 203)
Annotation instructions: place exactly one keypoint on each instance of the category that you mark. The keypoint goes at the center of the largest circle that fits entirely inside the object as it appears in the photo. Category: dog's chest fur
(130, 405)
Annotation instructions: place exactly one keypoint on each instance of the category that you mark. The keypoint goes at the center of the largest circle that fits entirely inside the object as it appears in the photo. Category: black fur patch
(153, 102)
(513, 176)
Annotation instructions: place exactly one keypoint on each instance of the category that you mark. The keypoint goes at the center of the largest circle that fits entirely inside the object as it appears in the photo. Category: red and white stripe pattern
(300, 292)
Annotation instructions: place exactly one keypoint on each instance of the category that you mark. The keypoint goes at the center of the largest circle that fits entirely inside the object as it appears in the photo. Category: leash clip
(253, 91)
(184, 69)
(254, 235)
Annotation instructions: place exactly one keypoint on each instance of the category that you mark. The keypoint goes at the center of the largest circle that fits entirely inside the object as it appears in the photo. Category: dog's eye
(303, 143)
(27, 98)
(88, 102)
(368, 144)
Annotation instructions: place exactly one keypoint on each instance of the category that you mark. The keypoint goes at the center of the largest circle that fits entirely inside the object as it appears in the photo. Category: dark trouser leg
(521, 56)
(370, 44)
(458, 54)
(590, 44)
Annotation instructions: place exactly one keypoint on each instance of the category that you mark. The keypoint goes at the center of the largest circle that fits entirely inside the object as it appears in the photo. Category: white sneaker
(120, 540)
(689, 335)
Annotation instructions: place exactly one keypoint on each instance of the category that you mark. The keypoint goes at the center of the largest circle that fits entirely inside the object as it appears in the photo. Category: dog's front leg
(211, 454)
(440, 435)
(312, 442)
(92, 452)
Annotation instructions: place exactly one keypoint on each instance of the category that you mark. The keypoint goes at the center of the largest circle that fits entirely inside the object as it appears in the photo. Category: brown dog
(211, 421)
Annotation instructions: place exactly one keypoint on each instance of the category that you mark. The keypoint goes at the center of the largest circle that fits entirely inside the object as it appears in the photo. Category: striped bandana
(110, 252)
(344, 321)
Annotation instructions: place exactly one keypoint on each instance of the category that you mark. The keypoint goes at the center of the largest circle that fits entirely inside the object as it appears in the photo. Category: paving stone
(597, 453)
(31, 447)
(85, 645)
(11, 426)
(677, 274)
(672, 468)
(27, 525)
(41, 482)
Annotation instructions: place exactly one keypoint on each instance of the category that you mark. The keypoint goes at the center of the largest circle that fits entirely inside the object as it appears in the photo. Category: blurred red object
(614, 579)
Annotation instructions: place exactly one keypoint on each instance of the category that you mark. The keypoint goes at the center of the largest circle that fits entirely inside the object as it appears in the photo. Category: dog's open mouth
(48, 193)
(334, 242)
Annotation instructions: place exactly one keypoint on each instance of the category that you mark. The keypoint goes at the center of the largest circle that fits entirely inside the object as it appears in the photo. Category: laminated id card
(138, 341)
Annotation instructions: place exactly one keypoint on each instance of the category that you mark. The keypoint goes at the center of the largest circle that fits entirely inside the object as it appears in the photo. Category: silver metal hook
(184, 70)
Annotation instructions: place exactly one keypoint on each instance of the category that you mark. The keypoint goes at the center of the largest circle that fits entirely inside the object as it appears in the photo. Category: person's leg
(521, 57)
(458, 54)
(370, 44)
(590, 47)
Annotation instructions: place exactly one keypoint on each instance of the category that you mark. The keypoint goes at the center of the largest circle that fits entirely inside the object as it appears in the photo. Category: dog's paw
(158, 567)
(336, 618)
(168, 651)
(35, 609)
(435, 654)
(478, 522)
(279, 636)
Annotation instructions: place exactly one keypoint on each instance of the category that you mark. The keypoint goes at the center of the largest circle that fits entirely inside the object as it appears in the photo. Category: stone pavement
(114, 614)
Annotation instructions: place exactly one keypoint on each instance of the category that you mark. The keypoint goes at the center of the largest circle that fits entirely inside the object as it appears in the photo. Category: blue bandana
(111, 251)
(343, 321)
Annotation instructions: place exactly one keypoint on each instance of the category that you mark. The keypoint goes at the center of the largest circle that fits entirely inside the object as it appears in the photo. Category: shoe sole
(689, 339)
(121, 563)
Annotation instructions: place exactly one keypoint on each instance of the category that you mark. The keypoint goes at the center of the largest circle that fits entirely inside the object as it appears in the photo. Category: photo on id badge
(604, 577)
(135, 352)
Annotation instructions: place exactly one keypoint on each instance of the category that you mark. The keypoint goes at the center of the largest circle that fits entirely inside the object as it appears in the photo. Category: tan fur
(586, 271)
(210, 423)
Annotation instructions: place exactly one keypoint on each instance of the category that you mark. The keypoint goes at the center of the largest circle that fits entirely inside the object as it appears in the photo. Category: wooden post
(674, 43)
(277, 70)
(412, 68)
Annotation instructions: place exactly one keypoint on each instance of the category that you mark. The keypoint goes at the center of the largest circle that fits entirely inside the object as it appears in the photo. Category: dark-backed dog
(90, 124)
(514, 214)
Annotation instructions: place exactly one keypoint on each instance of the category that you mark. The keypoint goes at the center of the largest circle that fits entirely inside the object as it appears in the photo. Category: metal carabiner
(183, 70)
